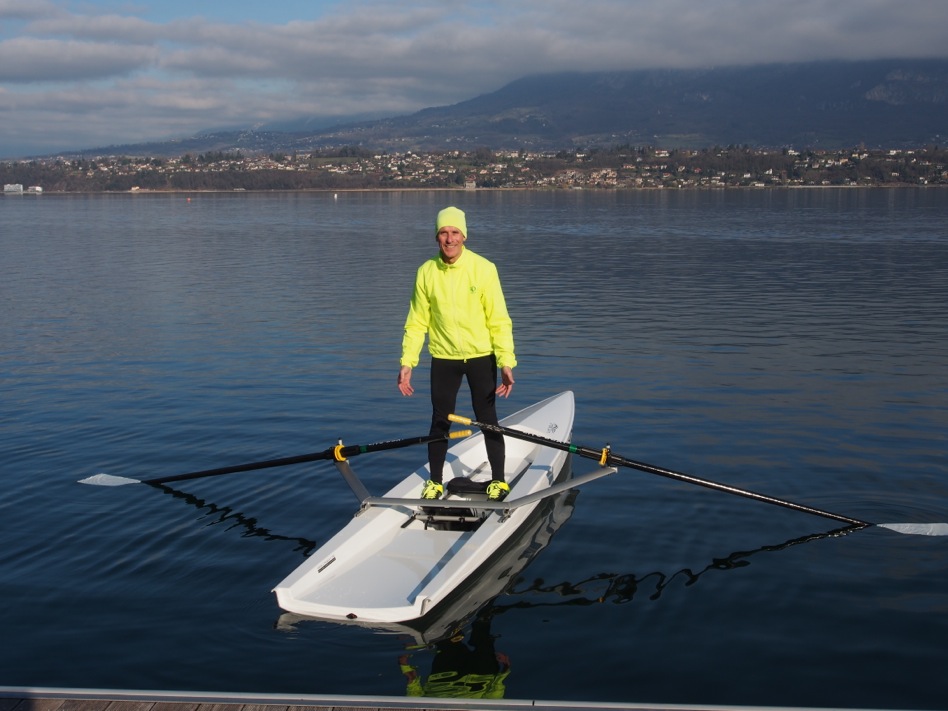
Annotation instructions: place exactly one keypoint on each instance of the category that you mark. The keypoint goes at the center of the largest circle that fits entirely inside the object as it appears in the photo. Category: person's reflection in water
(459, 670)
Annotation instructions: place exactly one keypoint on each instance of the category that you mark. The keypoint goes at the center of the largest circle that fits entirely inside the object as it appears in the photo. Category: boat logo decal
(552, 427)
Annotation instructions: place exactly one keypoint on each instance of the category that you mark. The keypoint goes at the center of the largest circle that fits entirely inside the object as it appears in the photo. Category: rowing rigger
(505, 506)
(606, 458)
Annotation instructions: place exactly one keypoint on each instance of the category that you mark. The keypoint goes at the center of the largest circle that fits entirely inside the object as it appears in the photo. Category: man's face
(450, 241)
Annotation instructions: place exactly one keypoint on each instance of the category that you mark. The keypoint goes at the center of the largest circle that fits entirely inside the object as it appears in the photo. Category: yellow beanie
(451, 217)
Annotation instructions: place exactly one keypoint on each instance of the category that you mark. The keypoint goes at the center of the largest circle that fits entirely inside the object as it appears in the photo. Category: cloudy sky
(88, 74)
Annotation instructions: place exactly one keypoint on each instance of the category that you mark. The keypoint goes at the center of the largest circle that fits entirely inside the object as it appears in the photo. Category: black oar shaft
(616, 461)
(339, 452)
(605, 457)
(283, 461)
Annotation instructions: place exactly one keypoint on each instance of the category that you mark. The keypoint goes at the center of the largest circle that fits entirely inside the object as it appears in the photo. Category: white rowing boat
(401, 556)
(478, 592)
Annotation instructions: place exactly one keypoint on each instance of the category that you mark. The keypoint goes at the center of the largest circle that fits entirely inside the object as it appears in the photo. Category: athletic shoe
(432, 490)
(497, 490)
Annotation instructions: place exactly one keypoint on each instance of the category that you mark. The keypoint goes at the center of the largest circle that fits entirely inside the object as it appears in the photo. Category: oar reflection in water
(225, 514)
(622, 588)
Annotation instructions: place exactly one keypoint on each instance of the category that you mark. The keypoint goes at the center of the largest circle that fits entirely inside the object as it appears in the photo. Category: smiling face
(451, 243)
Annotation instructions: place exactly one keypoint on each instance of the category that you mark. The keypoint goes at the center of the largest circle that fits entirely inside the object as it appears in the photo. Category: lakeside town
(357, 168)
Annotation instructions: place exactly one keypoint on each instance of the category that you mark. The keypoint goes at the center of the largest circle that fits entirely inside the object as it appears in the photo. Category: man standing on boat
(459, 304)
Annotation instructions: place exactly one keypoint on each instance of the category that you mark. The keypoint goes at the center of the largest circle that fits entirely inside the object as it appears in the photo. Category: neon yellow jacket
(461, 308)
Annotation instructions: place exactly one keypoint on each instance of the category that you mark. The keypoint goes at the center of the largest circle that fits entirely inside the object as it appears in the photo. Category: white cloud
(109, 28)
(16, 10)
(28, 60)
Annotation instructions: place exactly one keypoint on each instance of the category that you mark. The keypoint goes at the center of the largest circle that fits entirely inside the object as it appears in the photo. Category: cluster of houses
(626, 168)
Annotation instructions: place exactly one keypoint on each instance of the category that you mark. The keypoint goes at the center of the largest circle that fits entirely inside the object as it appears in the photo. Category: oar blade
(917, 529)
(108, 480)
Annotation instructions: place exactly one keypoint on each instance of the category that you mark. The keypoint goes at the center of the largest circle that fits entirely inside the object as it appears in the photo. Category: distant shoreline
(615, 169)
(688, 188)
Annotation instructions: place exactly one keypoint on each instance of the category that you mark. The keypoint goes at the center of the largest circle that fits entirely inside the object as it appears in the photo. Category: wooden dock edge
(23, 698)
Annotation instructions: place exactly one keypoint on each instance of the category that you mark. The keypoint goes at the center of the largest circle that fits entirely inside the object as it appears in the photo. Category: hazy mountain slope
(819, 104)
(885, 103)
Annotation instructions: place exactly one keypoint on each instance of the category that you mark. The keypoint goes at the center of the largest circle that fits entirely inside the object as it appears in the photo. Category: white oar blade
(108, 480)
(917, 529)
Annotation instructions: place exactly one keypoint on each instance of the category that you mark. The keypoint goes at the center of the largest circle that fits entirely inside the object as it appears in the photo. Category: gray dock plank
(38, 699)
(131, 706)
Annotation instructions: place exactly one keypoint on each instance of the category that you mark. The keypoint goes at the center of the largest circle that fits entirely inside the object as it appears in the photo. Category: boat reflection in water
(474, 669)
(447, 619)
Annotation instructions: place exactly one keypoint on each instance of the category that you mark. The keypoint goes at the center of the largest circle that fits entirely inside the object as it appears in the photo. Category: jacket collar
(445, 266)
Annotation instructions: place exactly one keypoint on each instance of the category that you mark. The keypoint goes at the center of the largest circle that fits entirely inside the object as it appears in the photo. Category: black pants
(446, 376)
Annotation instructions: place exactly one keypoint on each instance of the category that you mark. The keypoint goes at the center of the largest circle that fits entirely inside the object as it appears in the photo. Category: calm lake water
(790, 342)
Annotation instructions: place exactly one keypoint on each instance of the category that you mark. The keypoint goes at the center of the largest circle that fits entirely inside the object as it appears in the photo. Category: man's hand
(404, 381)
(506, 382)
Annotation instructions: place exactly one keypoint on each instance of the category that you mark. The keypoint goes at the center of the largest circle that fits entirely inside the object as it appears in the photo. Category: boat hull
(481, 588)
(396, 563)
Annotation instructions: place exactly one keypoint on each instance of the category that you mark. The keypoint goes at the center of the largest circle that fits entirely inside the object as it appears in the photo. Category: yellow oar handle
(460, 420)
(459, 434)
(604, 458)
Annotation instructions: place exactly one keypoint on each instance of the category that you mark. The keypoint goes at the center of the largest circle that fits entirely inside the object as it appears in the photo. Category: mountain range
(834, 104)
